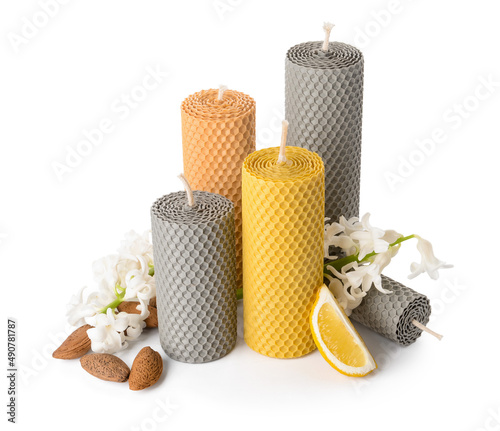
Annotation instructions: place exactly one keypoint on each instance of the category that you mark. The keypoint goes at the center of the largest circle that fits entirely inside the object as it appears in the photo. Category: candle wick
(222, 89)
(426, 329)
(282, 157)
(189, 191)
(327, 26)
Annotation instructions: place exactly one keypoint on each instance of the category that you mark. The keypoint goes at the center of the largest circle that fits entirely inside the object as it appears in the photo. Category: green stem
(120, 295)
(340, 263)
(239, 294)
(113, 304)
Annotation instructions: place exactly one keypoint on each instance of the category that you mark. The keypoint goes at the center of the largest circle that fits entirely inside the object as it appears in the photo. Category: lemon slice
(336, 339)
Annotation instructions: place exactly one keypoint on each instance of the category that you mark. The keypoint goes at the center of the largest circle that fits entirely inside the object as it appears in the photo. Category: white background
(425, 60)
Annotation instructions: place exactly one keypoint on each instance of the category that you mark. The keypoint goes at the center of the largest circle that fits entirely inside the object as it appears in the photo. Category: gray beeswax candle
(392, 314)
(195, 271)
(324, 104)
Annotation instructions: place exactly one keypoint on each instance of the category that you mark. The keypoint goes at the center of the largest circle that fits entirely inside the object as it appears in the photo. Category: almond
(131, 308)
(75, 346)
(146, 369)
(152, 302)
(106, 367)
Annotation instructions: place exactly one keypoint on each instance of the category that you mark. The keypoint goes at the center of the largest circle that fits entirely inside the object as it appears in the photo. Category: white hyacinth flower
(138, 282)
(428, 263)
(331, 231)
(362, 277)
(106, 272)
(342, 241)
(345, 299)
(107, 334)
(356, 273)
(370, 239)
(136, 322)
(351, 225)
(391, 236)
(78, 309)
(130, 268)
(123, 276)
(136, 245)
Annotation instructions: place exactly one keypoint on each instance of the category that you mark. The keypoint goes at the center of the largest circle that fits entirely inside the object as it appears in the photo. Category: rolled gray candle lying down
(392, 314)
(195, 272)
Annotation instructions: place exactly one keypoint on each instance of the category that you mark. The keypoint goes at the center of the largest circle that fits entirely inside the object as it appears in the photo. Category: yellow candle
(283, 229)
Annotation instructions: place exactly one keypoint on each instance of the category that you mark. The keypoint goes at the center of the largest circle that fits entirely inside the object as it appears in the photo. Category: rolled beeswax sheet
(283, 228)
(195, 272)
(324, 105)
(391, 315)
(217, 135)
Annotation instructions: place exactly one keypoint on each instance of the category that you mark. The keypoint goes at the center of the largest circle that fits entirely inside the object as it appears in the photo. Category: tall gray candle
(195, 271)
(324, 104)
(398, 316)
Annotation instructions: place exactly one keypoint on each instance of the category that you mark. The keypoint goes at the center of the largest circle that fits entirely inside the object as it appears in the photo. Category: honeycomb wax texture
(195, 273)
(391, 314)
(216, 138)
(283, 229)
(324, 105)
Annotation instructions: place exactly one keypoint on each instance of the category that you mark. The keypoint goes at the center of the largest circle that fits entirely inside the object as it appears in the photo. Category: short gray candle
(392, 314)
(324, 104)
(195, 272)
